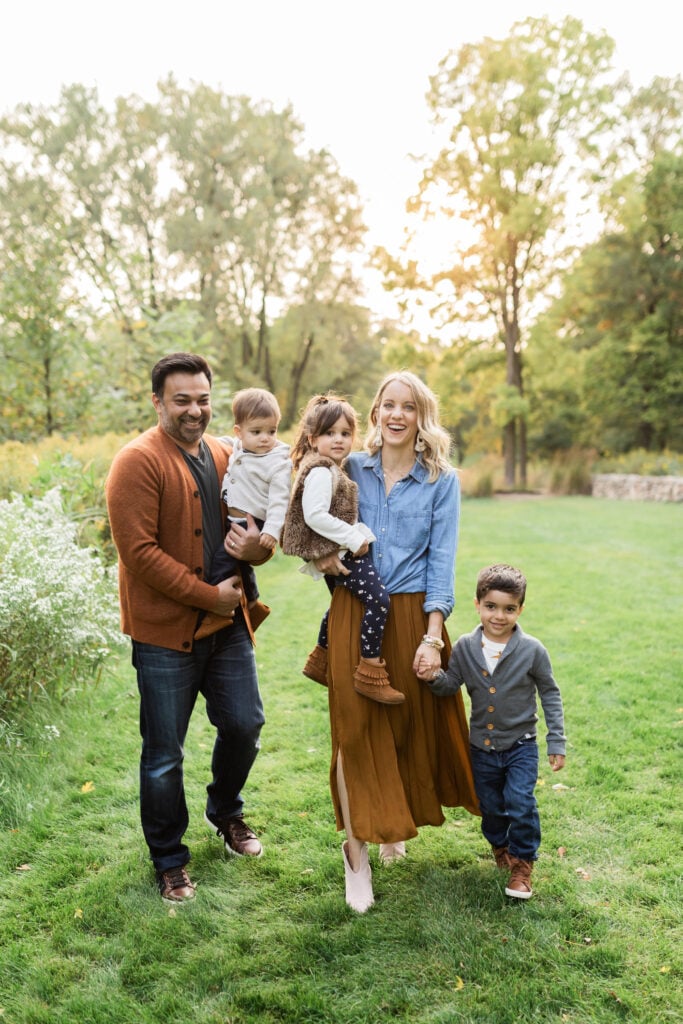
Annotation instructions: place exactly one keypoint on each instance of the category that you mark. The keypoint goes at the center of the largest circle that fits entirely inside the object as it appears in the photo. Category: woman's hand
(331, 565)
(427, 662)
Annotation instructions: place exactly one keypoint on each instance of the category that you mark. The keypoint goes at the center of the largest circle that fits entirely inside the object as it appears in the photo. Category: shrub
(571, 472)
(58, 605)
(78, 467)
(644, 463)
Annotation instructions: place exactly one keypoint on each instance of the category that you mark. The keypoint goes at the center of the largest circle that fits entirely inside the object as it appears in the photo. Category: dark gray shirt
(504, 701)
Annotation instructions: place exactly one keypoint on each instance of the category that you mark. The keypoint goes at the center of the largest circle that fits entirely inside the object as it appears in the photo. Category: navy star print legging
(364, 583)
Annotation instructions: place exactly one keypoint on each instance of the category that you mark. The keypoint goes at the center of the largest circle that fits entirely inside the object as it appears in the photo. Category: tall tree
(617, 330)
(259, 222)
(523, 116)
(43, 389)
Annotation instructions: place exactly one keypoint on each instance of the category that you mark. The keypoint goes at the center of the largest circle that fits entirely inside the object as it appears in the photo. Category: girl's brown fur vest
(297, 537)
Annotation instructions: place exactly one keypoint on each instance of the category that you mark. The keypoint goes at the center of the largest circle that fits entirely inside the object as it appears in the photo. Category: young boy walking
(503, 670)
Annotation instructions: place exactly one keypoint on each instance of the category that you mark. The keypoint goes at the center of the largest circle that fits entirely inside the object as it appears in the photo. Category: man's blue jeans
(222, 668)
(505, 781)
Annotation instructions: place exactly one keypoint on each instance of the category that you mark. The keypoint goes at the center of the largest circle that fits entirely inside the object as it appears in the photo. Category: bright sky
(355, 72)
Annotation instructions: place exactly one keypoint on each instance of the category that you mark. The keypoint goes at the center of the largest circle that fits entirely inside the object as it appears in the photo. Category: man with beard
(167, 518)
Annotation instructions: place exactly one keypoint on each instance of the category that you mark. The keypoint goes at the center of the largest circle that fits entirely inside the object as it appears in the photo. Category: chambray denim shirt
(416, 527)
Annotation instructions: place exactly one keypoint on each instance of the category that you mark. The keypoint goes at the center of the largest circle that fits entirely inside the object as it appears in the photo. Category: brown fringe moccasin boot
(372, 681)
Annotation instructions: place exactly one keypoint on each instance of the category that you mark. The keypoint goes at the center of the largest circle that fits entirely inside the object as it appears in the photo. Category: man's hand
(229, 596)
(556, 762)
(245, 543)
(331, 565)
(362, 550)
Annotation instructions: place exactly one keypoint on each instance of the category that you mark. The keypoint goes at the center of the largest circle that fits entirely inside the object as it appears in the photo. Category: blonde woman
(393, 771)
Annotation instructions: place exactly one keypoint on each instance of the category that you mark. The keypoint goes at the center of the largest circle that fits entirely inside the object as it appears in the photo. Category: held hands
(229, 596)
(427, 663)
(267, 542)
(556, 761)
(362, 550)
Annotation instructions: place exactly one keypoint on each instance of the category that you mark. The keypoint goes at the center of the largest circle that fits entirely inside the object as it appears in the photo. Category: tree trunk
(297, 376)
(510, 453)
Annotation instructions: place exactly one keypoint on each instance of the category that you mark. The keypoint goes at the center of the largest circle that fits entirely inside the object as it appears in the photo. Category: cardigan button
(490, 709)
(484, 672)
(196, 494)
(198, 570)
(489, 726)
(487, 743)
(492, 689)
(186, 644)
(197, 532)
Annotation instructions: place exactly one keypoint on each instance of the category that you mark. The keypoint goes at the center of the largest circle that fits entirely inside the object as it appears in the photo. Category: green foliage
(58, 604)
(85, 936)
(78, 468)
(643, 463)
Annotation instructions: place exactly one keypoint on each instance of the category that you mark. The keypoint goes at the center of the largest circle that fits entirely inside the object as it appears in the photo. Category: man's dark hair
(501, 577)
(178, 362)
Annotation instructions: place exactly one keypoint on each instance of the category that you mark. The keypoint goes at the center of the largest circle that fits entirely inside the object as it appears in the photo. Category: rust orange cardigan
(155, 513)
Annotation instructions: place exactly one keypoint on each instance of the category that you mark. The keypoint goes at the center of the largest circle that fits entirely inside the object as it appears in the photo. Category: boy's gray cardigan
(504, 701)
(297, 537)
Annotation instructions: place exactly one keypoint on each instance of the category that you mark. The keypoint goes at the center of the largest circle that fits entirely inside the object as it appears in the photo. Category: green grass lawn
(85, 939)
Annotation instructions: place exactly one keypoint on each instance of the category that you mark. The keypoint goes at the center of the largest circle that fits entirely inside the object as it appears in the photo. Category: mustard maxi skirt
(402, 763)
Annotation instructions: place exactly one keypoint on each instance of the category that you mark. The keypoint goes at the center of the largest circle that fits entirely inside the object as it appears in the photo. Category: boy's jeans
(505, 782)
(222, 668)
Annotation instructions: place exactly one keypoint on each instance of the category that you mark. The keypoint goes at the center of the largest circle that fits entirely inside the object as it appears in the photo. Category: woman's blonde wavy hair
(437, 441)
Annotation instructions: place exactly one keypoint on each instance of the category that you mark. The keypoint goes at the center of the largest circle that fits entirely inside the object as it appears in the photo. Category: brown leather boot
(316, 665)
(373, 682)
(502, 857)
(519, 885)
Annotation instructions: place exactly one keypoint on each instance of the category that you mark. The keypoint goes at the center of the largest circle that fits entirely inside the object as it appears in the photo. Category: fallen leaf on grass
(560, 785)
(78, 913)
(459, 983)
(665, 969)
(87, 787)
(24, 867)
(583, 874)
(562, 851)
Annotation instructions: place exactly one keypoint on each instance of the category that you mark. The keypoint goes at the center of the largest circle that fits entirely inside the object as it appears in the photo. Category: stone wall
(631, 487)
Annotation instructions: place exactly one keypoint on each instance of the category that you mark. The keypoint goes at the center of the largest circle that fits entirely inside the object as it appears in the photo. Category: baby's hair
(501, 577)
(321, 413)
(254, 403)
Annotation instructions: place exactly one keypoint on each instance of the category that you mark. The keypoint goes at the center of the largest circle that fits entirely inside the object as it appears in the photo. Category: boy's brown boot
(316, 665)
(519, 885)
(502, 857)
(373, 682)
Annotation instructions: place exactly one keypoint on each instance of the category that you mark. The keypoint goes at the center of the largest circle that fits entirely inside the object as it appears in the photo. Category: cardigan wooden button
(490, 709)
(489, 725)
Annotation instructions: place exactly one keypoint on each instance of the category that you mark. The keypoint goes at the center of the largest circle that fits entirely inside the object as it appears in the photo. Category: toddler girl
(322, 518)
